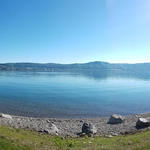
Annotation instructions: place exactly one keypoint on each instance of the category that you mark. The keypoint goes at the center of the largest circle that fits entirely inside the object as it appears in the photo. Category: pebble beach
(73, 127)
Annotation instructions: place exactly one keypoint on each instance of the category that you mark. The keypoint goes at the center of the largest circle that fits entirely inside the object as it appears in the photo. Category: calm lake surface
(43, 94)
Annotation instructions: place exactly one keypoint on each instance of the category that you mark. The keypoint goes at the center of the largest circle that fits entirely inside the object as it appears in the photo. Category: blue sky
(68, 31)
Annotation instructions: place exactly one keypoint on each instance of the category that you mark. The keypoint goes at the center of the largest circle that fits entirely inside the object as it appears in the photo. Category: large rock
(54, 128)
(6, 116)
(143, 122)
(89, 128)
(116, 119)
(51, 130)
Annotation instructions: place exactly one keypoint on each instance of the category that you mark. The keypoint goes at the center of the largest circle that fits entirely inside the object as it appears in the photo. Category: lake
(72, 95)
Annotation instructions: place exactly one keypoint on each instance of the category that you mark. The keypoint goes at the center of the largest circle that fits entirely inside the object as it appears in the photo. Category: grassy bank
(18, 139)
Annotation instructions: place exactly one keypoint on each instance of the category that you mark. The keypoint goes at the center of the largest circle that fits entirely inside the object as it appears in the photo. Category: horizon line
(19, 62)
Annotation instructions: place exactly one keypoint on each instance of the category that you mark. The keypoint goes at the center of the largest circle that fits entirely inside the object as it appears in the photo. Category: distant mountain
(96, 66)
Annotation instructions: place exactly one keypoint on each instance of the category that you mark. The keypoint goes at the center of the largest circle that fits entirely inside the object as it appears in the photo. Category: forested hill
(91, 66)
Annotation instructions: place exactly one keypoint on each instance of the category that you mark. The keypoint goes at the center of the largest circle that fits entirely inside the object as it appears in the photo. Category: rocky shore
(103, 126)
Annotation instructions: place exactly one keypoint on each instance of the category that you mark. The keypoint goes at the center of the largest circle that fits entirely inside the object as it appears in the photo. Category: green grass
(18, 139)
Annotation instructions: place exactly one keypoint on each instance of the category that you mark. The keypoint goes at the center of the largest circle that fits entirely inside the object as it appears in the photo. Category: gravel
(73, 127)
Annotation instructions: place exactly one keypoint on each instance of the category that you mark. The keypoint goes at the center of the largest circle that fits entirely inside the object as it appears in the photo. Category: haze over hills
(81, 67)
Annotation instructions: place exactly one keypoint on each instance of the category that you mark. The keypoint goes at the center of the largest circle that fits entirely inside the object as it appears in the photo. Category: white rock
(115, 119)
(6, 116)
(54, 128)
(143, 122)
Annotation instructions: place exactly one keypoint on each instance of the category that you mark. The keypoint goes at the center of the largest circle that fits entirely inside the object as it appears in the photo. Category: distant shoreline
(79, 67)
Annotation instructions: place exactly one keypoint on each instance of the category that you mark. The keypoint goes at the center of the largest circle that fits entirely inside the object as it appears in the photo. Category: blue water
(72, 95)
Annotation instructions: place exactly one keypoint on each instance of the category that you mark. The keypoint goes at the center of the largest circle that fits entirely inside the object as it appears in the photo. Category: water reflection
(65, 94)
